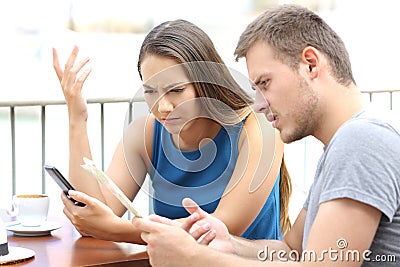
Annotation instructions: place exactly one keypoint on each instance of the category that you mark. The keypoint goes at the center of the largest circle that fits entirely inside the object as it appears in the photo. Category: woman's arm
(257, 167)
(102, 220)
(101, 215)
(130, 162)
(72, 79)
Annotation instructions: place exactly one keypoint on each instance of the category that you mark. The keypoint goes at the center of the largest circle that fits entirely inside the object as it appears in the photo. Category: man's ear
(310, 57)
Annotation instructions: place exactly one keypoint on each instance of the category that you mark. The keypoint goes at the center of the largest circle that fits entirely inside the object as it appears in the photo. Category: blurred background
(110, 33)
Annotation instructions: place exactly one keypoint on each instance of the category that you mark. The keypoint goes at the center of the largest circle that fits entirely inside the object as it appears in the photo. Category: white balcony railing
(34, 133)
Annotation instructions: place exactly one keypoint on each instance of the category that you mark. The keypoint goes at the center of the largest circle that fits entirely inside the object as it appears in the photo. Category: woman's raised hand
(72, 80)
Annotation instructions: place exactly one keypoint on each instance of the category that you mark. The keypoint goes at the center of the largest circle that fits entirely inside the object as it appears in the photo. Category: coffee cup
(30, 209)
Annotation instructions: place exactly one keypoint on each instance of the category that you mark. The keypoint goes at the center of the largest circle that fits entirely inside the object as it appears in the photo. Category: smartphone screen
(62, 183)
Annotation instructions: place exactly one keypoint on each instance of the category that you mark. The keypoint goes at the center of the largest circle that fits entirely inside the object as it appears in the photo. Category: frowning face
(282, 94)
(169, 94)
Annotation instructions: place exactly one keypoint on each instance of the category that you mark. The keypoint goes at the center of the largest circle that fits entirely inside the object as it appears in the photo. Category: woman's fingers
(81, 79)
(71, 60)
(70, 80)
(71, 217)
(56, 65)
(68, 76)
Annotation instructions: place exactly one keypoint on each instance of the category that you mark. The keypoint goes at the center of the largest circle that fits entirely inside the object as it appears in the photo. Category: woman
(200, 140)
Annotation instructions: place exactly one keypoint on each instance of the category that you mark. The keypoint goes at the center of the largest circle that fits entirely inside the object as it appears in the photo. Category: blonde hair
(285, 191)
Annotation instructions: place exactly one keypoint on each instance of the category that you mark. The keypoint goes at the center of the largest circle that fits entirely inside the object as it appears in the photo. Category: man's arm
(255, 248)
(217, 236)
(342, 231)
(337, 220)
(342, 227)
(169, 245)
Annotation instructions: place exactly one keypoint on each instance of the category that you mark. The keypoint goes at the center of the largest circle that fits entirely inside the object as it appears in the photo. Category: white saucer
(42, 230)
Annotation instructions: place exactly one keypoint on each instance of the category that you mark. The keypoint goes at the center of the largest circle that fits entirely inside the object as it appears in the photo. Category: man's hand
(203, 227)
(167, 243)
(213, 232)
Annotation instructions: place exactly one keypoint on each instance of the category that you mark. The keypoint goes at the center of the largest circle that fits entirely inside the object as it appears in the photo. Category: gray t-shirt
(362, 162)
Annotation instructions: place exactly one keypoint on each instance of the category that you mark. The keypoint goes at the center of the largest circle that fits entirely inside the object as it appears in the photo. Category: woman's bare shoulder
(139, 133)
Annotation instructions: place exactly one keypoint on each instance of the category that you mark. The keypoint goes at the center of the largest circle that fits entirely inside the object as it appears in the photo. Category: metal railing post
(13, 158)
(43, 124)
(102, 134)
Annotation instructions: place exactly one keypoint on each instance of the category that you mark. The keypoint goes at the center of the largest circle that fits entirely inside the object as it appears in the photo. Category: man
(305, 86)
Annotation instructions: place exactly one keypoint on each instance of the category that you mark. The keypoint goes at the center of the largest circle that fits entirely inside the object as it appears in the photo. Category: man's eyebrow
(264, 75)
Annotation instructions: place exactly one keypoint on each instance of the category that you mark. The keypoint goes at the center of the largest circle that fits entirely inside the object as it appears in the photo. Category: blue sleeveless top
(203, 175)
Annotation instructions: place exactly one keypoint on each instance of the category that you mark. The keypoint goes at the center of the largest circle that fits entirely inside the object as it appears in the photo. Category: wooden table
(66, 247)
